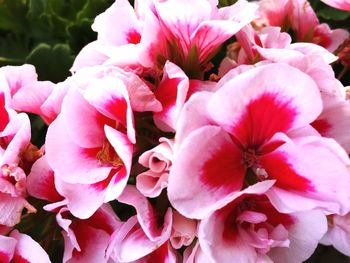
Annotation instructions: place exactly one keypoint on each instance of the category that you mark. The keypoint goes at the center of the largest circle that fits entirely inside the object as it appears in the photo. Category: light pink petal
(109, 96)
(204, 173)
(113, 31)
(146, 215)
(40, 181)
(164, 254)
(7, 248)
(259, 106)
(304, 170)
(28, 250)
(195, 255)
(31, 96)
(76, 165)
(172, 94)
(184, 230)
(82, 122)
(151, 184)
(19, 76)
(304, 235)
(340, 4)
(313, 49)
(13, 207)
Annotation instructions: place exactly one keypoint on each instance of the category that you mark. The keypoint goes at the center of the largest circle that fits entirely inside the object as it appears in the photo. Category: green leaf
(51, 62)
(12, 15)
(333, 14)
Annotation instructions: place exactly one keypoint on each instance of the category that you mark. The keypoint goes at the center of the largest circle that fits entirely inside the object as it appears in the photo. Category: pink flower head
(259, 130)
(340, 4)
(189, 35)
(250, 229)
(19, 247)
(142, 233)
(159, 160)
(90, 144)
(338, 233)
(16, 154)
(300, 17)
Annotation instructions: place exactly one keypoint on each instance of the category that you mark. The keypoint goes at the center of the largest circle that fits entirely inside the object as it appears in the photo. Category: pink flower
(142, 233)
(184, 230)
(340, 4)
(338, 233)
(259, 130)
(301, 18)
(250, 229)
(90, 144)
(19, 247)
(159, 160)
(16, 157)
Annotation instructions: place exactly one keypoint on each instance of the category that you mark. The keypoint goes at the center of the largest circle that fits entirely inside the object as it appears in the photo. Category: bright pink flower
(340, 4)
(338, 233)
(300, 17)
(15, 161)
(142, 233)
(19, 247)
(90, 144)
(159, 160)
(259, 130)
(250, 229)
(184, 230)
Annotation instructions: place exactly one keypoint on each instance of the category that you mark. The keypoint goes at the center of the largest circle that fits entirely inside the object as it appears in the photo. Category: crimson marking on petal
(278, 167)
(102, 185)
(133, 37)
(262, 118)
(160, 255)
(4, 257)
(166, 93)
(321, 125)
(117, 107)
(224, 169)
(4, 117)
(19, 259)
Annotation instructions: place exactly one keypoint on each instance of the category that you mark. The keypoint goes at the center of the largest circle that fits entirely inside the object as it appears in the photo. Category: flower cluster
(154, 153)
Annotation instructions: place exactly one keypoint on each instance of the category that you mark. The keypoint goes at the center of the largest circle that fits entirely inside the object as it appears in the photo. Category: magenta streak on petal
(160, 255)
(321, 125)
(278, 167)
(19, 259)
(224, 168)
(133, 37)
(166, 93)
(262, 118)
(4, 117)
(117, 107)
(4, 258)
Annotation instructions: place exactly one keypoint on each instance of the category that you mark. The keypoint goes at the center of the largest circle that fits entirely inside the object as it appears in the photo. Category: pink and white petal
(184, 230)
(304, 180)
(41, 182)
(7, 248)
(164, 254)
(113, 31)
(313, 49)
(76, 165)
(19, 76)
(172, 93)
(82, 199)
(31, 96)
(28, 250)
(340, 4)
(18, 129)
(212, 170)
(291, 104)
(334, 123)
(195, 255)
(13, 207)
(82, 122)
(304, 235)
(151, 184)
(193, 116)
(92, 242)
(146, 215)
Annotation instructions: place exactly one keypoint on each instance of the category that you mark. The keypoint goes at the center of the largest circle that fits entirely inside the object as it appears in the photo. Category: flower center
(107, 155)
(255, 172)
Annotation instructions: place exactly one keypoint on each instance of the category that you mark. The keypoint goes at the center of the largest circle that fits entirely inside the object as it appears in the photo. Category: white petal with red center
(7, 248)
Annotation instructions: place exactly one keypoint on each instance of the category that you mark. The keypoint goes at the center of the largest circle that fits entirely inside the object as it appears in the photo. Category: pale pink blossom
(90, 144)
(338, 233)
(184, 230)
(142, 233)
(259, 130)
(250, 229)
(19, 247)
(159, 160)
(16, 156)
(340, 4)
(301, 18)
